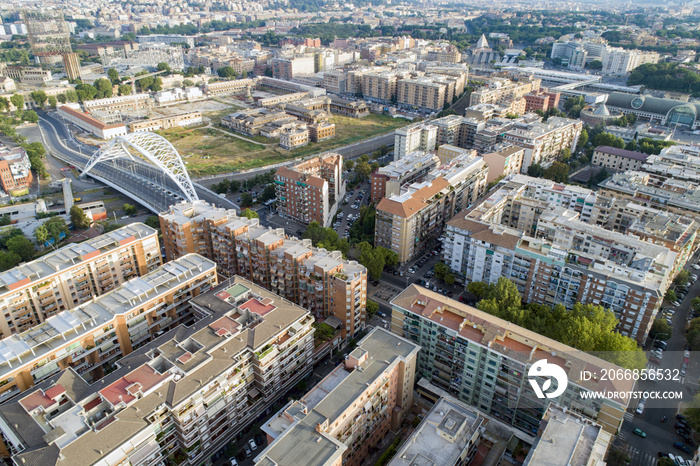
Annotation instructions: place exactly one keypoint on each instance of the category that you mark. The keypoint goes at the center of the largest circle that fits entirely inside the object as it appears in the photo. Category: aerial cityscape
(379, 232)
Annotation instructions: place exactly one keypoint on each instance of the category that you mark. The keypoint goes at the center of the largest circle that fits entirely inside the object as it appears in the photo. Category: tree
(103, 87)
(268, 193)
(618, 457)
(162, 66)
(671, 296)
(130, 209)
(535, 170)
(607, 139)
(113, 75)
(157, 85)
(221, 187)
(363, 170)
(557, 171)
(71, 95)
(372, 308)
(683, 278)
(8, 260)
(52, 102)
(56, 226)
(582, 139)
(695, 302)
(188, 83)
(693, 334)
(18, 101)
(39, 97)
(692, 412)
(234, 186)
(226, 72)
(30, 116)
(78, 218)
(42, 234)
(441, 270)
(21, 246)
(124, 89)
(349, 165)
(478, 289)
(449, 279)
(248, 213)
(660, 330)
(246, 200)
(665, 461)
(153, 221)
(595, 65)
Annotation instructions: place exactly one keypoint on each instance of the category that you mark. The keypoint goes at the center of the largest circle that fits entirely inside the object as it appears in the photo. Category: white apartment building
(420, 136)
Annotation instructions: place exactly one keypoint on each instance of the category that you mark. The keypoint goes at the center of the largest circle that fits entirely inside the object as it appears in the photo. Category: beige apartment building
(408, 221)
(184, 396)
(425, 93)
(618, 159)
(501, 90)
(60, 280)
(229, 87)
(347, 415)
(543, 142)
(379, 86)
(321, 281)
(505, 161)
(310, 191)
(291, 138)
(90, 338)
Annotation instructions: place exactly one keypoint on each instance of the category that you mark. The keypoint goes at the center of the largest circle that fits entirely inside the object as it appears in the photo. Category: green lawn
(208, 152)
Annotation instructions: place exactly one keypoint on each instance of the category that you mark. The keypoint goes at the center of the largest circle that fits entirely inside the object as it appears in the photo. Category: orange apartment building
(91, 337)
(16, 169)
(310, 191)
(35, 291)
(348, 414)
(316, 279)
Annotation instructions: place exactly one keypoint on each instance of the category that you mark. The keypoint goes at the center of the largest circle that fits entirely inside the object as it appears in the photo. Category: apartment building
(351, 108)
(568, 435)
(500, 90)
(618, 61)
(503, 110)
(62, 279)
(505, 161)
(449, 435)
(618, 159)
(407, 222)
(166, 39)
(676, 162)
(310, 191)
(541, 99)
(90, 124)
(449, 128)
(484, 361)
(485, 136)
(15, 170)
(380, 86)
(549, 240)
(543, 142)
(290, 68)
(321, 130)
(348, 414)
(677, 196)
(91, 337)
(183, 396)
(418, 136)
(425, 93)
(321, 281)
(388, 180)
(172, 121)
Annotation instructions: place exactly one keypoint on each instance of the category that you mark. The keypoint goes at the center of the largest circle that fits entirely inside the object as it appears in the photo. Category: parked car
(640, 407)
(640, 432)
(252, 444)
(681, 447)
(233, 462)
(247, 451)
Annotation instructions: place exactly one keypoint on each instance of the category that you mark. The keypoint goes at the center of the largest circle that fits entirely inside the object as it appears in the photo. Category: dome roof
(602, 110)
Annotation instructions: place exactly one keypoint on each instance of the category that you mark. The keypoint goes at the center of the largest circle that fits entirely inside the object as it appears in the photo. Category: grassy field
(208, 152)
(216, 116)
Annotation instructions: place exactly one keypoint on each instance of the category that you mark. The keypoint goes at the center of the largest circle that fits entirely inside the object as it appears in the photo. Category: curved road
(143, 182)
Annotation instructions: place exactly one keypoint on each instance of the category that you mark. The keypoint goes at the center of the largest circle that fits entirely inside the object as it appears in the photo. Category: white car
(252, 444)
(696, 266)
(640, 407)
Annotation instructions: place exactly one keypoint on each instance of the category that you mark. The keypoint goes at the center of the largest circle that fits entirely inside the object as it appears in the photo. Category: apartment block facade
(426, 93)
(618, 159)
(388, 180)
(15, 170)
(379, 86)
(420, 136)
(543, 142)
(348, 414)
(90, 338)
(290, 68)
(484, 361)
(549, 240)
(408, 221)
(310, 191)
(500, 90)
(180, 398)
(60, 280)
(319, 280)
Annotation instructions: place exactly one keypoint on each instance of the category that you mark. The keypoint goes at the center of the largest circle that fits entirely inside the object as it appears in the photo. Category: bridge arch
(154, 148)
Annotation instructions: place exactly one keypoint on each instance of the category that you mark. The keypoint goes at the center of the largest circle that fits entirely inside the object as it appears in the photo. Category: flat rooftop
(441, 437)
(68, 256)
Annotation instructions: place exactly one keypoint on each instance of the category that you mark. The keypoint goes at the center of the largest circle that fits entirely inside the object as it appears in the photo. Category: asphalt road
(139, 180)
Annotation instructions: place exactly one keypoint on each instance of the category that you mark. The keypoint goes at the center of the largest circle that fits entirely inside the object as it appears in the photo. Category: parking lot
(349, 209)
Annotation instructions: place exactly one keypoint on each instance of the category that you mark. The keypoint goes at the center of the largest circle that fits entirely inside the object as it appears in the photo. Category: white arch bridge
(148, 169)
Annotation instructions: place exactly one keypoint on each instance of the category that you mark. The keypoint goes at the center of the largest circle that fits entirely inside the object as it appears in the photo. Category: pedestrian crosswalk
(637, 458)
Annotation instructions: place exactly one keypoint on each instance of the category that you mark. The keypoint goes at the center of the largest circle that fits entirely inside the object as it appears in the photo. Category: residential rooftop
(68, 256)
